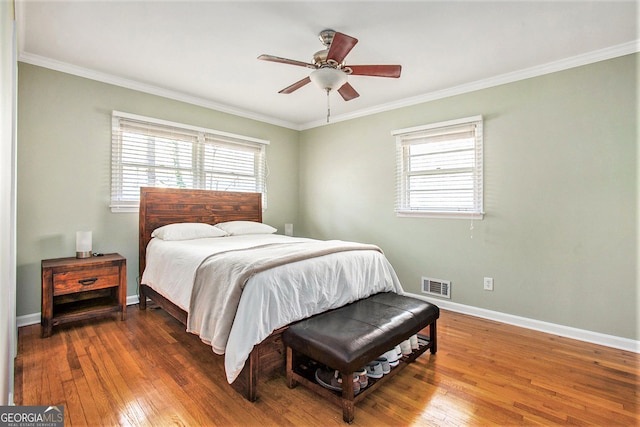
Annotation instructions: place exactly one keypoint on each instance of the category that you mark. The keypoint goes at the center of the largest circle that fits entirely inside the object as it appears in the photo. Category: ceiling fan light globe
(328, 78)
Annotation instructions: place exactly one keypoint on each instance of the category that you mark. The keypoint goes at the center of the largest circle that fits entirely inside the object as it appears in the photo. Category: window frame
(198, 137)
(429, 133)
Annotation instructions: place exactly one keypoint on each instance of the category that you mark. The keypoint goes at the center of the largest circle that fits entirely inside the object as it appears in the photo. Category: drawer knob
(87, 282)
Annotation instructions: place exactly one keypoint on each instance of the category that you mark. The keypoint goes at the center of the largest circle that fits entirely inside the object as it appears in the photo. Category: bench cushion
(349, 337)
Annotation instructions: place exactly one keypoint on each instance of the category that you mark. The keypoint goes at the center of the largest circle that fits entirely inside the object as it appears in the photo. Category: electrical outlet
(488, 283)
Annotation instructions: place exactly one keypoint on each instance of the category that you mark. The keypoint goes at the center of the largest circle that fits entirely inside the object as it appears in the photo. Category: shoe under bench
(347, 338)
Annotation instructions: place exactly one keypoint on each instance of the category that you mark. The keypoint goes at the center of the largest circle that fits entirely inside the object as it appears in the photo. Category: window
(439, 169)
(148, 152)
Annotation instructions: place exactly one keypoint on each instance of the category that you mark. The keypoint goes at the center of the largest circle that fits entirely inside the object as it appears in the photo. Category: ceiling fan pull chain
(328, 106)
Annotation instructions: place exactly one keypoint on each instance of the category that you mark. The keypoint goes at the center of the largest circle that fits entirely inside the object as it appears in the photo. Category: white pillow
(237, 228)
(187, 231)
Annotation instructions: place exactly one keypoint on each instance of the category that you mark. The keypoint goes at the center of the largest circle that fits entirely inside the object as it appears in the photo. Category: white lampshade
(83, 244)
(328, 78)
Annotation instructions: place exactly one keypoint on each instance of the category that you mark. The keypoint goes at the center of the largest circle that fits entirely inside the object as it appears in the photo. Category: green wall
(560, 164)
(560, 191)
(64, 159)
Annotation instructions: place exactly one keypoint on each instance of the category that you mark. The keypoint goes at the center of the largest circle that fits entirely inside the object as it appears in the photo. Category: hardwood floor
(148, 371)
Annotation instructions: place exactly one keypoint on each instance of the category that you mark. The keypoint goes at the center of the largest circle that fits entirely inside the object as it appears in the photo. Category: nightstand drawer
(85, 280)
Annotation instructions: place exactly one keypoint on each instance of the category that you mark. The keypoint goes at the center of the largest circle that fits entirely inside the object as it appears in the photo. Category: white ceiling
(205, 52)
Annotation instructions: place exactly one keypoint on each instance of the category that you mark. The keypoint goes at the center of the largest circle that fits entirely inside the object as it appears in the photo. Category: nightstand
(76, 289)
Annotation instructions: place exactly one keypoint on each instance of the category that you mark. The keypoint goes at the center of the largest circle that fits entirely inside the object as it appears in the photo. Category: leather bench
(347, 338)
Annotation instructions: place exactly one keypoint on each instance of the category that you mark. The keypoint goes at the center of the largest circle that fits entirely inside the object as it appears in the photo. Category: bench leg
(291, 383)
(433, 337)
(347, 397)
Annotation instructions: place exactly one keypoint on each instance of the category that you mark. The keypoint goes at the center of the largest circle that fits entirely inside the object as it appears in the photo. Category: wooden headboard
(162, 206)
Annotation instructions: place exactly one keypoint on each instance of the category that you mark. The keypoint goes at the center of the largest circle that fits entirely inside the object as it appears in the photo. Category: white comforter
(272, 298)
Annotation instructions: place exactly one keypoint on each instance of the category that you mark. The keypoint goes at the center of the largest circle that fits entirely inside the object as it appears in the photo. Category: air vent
(437, 287)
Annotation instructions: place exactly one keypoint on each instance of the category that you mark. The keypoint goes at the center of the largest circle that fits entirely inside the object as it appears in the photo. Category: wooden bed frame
(162, 206)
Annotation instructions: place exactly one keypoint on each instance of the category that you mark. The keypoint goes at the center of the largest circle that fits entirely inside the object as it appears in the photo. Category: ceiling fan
(330, 71)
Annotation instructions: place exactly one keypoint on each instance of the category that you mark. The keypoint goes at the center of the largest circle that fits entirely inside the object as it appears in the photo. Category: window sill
(125, 209)
(445, 215)
(136, 209)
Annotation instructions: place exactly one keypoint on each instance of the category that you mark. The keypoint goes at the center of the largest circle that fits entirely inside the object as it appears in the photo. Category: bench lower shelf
(301, 369)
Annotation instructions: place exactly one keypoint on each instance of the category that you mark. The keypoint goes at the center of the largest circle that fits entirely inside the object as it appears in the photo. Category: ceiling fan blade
(376, 70)
(272, 58)
(348, 92)
(340, 46)
(297, 85)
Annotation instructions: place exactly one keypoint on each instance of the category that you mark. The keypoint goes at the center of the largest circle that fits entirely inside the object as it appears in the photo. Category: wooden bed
(162, 206)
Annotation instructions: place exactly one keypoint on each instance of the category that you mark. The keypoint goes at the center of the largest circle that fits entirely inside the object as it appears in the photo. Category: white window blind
(147, 152)
(439, 169)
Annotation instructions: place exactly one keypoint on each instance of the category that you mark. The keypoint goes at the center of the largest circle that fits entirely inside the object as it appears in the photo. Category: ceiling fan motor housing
(320, 57)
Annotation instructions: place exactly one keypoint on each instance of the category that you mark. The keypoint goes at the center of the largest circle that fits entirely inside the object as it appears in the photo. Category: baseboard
(27, 319)
(32, 319)
(524, 322)
(537, 325)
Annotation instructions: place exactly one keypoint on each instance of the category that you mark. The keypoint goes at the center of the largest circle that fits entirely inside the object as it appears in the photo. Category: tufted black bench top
(348, 337)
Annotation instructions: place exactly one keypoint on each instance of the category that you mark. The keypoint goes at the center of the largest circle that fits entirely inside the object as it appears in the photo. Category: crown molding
(65, 67)
(527, 73)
